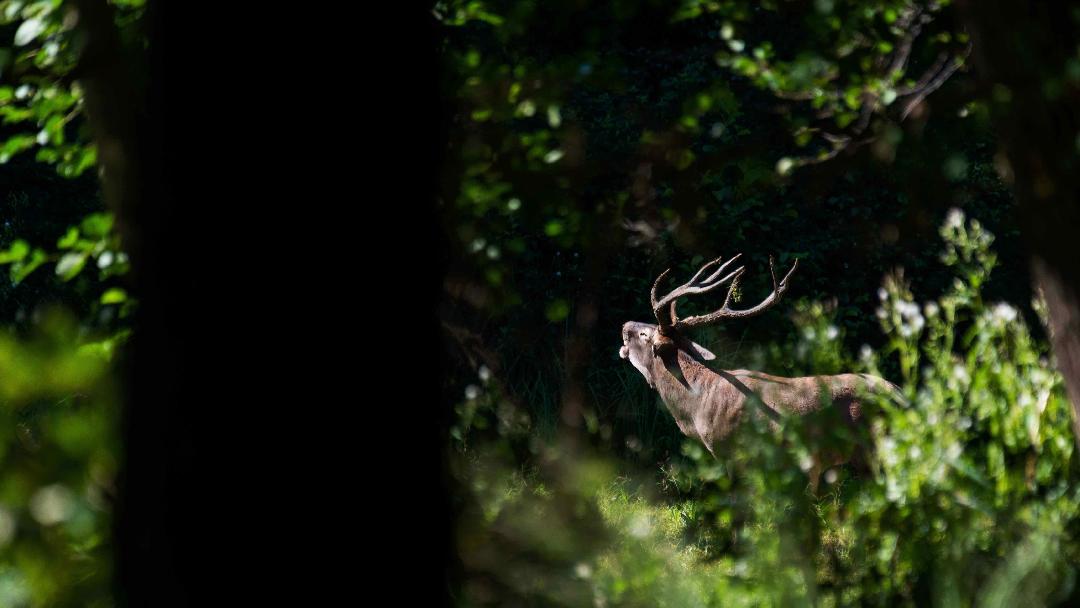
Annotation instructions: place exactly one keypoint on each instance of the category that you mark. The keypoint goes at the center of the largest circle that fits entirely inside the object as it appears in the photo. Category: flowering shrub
(971, 497)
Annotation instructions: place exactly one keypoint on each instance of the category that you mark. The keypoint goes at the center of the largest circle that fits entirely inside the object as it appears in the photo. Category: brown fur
(709, 405)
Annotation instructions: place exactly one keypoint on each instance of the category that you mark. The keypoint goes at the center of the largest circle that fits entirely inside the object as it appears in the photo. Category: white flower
(472, 392)
(1004, 313)
(911, 321)
(865, 352)
(484, 373)
(908, 309)
(832, 332)
(882, 294)
(892, 490)
(954, 451)
(930, 309)
(955, 218)
(583, 570)
(784, 165)
(888, 444)
(52, 504)
(960, 373)
(1040, 404)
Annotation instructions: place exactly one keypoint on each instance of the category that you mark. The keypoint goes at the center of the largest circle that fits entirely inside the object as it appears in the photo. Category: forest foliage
(590, 148)
(65, 312)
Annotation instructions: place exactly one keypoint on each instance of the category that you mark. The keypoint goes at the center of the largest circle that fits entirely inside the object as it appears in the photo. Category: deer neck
(682, 383)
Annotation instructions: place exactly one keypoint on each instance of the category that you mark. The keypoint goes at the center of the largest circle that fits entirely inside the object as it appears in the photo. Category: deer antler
(694, 286)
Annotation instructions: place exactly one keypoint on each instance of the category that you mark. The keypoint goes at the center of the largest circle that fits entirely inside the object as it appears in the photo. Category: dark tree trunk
(1021, 49)
(228, 411)
(166, 540)
(155, 116)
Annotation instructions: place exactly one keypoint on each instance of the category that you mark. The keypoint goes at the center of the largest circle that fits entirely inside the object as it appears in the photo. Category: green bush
(59, 452)
(971, 499)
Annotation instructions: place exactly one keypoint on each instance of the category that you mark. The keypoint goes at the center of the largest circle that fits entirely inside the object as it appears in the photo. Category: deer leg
(815, 477)
(860, 462)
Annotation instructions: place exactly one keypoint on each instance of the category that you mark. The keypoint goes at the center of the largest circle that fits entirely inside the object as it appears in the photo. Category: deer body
(709, 405)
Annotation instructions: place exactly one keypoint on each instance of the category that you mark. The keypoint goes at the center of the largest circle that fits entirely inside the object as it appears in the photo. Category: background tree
(591, 147)
(1030, 75)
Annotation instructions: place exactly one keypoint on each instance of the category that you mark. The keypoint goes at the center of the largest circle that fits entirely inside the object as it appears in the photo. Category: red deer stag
(708, 405)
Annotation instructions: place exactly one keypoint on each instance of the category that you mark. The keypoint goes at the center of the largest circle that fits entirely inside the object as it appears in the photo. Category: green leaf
(113, 295)
(16, 252)
(557, 310)
(28, 31)
(14, 145)
(68, 240)
(553, 228)
(22, 269)
(97, 224)
(70, 265)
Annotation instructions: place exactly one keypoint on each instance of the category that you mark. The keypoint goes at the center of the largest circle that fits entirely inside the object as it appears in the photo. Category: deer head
(651, 348)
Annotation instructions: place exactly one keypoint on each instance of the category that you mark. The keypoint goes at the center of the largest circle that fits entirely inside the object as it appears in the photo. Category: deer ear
(702, 352)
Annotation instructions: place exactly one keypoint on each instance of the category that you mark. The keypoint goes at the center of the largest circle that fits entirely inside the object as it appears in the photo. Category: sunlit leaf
(70, 264)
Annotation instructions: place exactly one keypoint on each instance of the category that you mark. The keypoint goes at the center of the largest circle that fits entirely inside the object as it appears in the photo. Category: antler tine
(722, 268)
(656, 283)
(693, 286)
(702, 269)
(736, 274)
(727, 313)
(790, 272)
